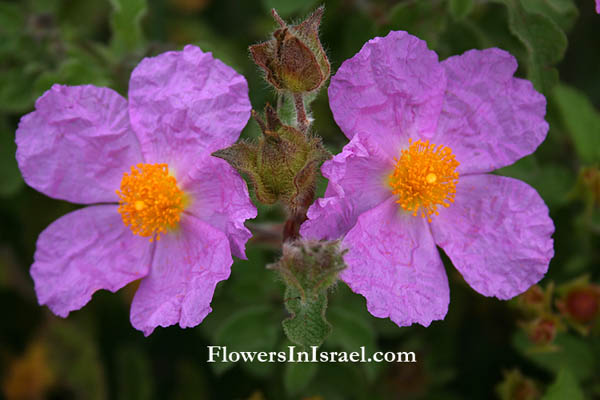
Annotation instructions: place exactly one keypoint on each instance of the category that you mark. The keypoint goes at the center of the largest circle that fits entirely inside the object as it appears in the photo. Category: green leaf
(581, 120)
(459, 9)
(298, 375)
(563, 12)
(572, 353)
(10, 176)
(249, 329)
(564, 387)
(307, 325)
(308, 268)
(126, 25)
(545, 43)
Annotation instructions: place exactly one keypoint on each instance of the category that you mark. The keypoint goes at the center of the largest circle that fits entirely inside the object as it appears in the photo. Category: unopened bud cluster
(310, 264)
(550, 311)
(283, 164)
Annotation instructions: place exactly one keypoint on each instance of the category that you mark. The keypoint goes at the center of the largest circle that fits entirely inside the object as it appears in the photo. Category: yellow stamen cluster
(150, 201)
(424, 177)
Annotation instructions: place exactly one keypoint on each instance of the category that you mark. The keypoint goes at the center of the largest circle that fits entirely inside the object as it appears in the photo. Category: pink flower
(598, 6)
(161, 207)
(422, 135)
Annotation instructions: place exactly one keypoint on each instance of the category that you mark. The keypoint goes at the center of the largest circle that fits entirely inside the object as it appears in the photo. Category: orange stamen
(150, 201)
(424, 177)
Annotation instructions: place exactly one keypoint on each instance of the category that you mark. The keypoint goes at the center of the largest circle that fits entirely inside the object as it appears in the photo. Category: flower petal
(84, 251)
(489, 119)
(497, 234)
(392, 89)
(184, 103)
(219, 197)
(186, 268)
(393, 262)
(357, 182)
(77, 143)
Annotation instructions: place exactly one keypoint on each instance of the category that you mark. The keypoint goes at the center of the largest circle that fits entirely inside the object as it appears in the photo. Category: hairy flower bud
(310, 264)
(542, 331)
(516, 386)
(579, 303)
(282, 164)
(294, 60)
(536, 300)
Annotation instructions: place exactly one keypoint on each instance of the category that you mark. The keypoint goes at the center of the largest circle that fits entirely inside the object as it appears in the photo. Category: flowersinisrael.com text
(220, 354)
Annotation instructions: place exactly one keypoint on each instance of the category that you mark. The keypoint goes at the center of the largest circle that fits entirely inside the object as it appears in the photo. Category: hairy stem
(300, 112)
(291, 229)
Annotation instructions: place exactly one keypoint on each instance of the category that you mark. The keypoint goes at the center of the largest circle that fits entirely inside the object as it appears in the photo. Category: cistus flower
(161, 207)
(423, 134)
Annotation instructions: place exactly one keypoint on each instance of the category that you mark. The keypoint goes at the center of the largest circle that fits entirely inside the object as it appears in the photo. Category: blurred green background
(545, 344)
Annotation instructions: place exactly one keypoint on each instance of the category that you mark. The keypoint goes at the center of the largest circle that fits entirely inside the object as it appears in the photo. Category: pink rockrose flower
(162, 209)
(423, 134)
(598, 6)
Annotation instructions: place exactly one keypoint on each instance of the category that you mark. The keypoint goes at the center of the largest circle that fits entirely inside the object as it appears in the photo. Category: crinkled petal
(490, 119)
(598, 6)
(77, 143)
(185, 103)
(186, 268)
(84, 251)
(497, 234)
(393, 262)
(392, 89)
(219, 197)
(357, 182)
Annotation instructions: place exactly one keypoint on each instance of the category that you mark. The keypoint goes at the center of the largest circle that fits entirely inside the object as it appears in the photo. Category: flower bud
(582, 305)
(310, 264)
(579, 303)
(536, 301)
(282, 164)
(516, 386)
(294, 60)
(542, 331)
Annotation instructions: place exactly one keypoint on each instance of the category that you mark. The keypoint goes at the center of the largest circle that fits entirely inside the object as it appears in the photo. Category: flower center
(424, 177)
(150, 201)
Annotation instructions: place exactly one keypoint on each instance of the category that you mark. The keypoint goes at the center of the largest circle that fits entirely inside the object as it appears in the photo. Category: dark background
(483, 349)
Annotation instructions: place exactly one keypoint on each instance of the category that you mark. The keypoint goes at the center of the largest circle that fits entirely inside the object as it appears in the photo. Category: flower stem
(291, 229)
(300, 112)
